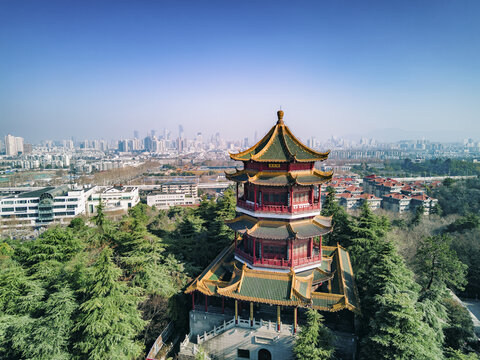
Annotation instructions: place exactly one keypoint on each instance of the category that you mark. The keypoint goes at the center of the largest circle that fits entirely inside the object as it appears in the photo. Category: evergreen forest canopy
(106, 289)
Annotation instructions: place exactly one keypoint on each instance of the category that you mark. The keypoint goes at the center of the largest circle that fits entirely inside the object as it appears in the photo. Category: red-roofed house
(373, 202)
(396, 202)
(411, 190)
(423, 200)
(354, 190)
(348, 200)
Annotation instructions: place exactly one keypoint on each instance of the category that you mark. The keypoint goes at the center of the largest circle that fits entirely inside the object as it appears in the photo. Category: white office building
(165, 201)
(113, 198)
(43, 206)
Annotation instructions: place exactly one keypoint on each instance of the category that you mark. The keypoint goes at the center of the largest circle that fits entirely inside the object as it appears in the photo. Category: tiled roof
(346, 195)
(397, 196)
(280, 145)
(422, 197)
(281, 230)
(369, 197)
(290, 289)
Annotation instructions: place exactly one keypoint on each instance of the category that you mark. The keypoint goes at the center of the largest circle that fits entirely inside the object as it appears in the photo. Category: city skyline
(94, 70)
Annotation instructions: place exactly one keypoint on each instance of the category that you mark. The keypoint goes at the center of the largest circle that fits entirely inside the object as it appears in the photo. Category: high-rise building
(136, 134)
(13, 145)
(68, 144)
(123, 146)
(150, 143)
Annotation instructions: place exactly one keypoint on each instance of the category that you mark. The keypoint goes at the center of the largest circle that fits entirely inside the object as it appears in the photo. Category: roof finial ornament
(280, 117)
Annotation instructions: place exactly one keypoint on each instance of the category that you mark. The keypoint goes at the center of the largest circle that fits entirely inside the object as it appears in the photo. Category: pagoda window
(260, 198)
(250, 194)
(300, 250)
(274, 251)
(274, 198)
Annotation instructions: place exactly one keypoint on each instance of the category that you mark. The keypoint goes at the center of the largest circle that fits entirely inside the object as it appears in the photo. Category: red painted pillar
(310, 247)
(206, 303)
(320, 246)
(291, 198)
(237, 191)
(291, 252)
(312, 190)
(254, 250)
(223, 305)
(255, 198)
(319, 196)
(193, 300)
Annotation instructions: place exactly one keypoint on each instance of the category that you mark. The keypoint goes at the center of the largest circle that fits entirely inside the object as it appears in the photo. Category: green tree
(109, 321)
(340, 219)
(447, 182)
(438, 264)
(394, 326)
(459, 329)
(458, 355)
(50, 334)
(99, 218)
(314, 341)
(391, 326)
(467, 222)
(418, 215)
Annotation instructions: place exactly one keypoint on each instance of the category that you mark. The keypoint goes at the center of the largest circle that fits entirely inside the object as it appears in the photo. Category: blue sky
(100, 69)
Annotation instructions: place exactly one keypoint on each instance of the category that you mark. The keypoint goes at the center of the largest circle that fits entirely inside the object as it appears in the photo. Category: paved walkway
(473, 307)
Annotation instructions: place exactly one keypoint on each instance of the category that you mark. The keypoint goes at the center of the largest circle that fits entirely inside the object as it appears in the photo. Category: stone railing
(160, 341)
(243, 323)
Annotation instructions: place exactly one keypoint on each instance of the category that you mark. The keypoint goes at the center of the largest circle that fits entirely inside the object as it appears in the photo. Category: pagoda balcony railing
(278, 209)
(303, 261)
(282, 263)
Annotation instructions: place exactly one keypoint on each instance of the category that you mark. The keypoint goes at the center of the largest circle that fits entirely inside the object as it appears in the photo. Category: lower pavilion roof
(281, 230)
(279, 178)
(228, 277)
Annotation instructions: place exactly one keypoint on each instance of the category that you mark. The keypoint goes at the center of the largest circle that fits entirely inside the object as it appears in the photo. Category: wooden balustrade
(281, 263)
(278, 209)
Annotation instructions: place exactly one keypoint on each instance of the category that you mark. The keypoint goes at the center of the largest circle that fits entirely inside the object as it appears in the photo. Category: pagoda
(278, 202)
(276, 257)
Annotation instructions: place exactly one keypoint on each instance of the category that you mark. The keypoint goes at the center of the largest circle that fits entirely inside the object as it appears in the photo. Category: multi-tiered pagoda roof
(277, 256)
(280, 145)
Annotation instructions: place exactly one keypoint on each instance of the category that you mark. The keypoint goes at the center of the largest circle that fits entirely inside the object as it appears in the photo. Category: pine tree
(109, 320)
(314, 341)
(438, 264)
(392, 326)
(50, 334)
(340, 219)
(395, 329)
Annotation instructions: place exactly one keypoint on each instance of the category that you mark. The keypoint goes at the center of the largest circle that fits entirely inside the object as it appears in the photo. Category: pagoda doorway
(264, 354)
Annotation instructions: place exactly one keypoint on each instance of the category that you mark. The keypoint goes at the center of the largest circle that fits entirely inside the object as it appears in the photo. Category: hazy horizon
(103, 69)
